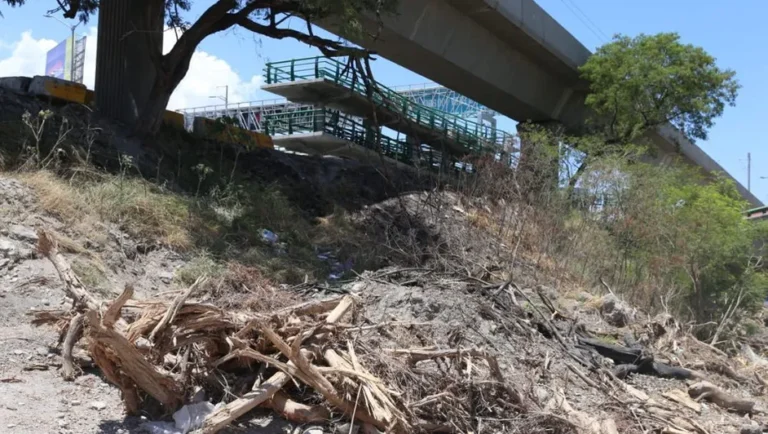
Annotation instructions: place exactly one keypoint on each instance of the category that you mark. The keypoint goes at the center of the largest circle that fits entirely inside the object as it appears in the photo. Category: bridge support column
(129, 32)
(539, 165)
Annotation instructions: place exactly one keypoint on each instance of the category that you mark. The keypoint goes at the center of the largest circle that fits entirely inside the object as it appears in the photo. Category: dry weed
(136, 206)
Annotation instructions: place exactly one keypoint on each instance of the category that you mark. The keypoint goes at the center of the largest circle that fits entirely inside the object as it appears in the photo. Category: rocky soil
(34, 399)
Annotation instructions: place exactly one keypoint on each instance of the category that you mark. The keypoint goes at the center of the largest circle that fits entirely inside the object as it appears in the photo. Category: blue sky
(731, 31)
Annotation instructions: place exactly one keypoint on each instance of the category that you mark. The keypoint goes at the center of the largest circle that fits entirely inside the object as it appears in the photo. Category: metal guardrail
(338, 125)
(471, 135)
(443, 99)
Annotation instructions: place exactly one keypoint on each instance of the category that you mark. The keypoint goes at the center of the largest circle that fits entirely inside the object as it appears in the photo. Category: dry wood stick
(263, 391)
(173, 309)
(317, 381)
(73, 335)
(295, 411)
(49, 247)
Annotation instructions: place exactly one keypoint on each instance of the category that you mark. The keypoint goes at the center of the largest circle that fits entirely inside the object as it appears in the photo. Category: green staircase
(473, 137)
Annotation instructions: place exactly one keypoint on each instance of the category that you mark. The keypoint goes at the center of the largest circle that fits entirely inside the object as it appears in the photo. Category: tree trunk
(130, 40)
(151, 116)
(172, 67)
(538, 169)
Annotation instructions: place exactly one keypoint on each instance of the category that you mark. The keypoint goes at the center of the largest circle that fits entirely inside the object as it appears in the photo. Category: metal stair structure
(329, 83)
(327, 111)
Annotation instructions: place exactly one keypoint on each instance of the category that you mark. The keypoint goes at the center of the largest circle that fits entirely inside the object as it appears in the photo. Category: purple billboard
(55, 61)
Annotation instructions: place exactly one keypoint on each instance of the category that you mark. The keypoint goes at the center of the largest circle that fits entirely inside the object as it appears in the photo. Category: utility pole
(225, 98)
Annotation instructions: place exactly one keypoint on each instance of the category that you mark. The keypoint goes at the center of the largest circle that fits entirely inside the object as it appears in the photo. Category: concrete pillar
(128, 32)
(539, 164)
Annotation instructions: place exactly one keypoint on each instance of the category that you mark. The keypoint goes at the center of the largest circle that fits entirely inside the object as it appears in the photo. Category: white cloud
(27, 55)
(206, 76)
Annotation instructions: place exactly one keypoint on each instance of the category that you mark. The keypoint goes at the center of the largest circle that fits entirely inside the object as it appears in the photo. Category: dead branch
(173, 310)
(317, 381)
(118, 353)
(114, 311)
(417, 355)
(262, 392)
(710, 392)
(73, 335)
(49, 247)
(297, 412)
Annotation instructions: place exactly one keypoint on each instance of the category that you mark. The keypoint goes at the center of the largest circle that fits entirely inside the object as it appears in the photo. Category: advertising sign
(55, 62)
(59, 60)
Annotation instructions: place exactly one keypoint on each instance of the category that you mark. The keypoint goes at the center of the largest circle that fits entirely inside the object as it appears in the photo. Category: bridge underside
(321, 143)
(442, 43)
(508, 55)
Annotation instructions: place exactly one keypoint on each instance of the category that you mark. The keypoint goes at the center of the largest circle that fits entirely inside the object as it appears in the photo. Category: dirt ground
(431, 311)
(34, 399)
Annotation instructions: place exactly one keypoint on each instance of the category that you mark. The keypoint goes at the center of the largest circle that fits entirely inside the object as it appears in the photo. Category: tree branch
(326, 46)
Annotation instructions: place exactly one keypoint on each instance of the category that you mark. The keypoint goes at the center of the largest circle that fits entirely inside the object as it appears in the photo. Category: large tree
(135, 48)
(641, 83)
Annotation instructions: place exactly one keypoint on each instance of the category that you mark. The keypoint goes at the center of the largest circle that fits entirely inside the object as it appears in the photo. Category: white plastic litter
(160, 428)
(186, 419)
(191, 417)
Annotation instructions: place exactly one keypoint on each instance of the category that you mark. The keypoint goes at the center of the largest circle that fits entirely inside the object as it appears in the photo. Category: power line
(589, 24)
(588, 19)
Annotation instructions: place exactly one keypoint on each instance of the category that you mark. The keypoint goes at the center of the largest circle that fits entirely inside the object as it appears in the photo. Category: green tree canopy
(650, 80)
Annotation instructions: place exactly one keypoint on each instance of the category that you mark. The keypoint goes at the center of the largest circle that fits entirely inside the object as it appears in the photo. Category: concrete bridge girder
(436, 40)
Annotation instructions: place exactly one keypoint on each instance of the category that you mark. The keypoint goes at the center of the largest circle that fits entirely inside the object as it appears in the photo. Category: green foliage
(680, 237)
(639, 83)
(715, 243)
(347, 12)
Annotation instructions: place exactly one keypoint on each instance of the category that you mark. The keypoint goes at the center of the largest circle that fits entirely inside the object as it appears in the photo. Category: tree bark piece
(74, 332)
(131, 364)
(295, 411)
(710, 392)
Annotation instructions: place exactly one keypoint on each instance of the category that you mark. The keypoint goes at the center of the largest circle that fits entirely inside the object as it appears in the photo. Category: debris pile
(302, 361)
(450, 355)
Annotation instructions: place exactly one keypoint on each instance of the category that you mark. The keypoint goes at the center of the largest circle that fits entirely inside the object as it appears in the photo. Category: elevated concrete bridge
(510, 56)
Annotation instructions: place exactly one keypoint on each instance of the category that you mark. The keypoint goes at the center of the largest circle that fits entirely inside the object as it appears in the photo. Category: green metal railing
(352, 129)
(339, 125)
(473, 136)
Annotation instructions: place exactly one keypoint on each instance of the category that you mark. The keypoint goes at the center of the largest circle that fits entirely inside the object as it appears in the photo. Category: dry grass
(91, 274)
(135, 205)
